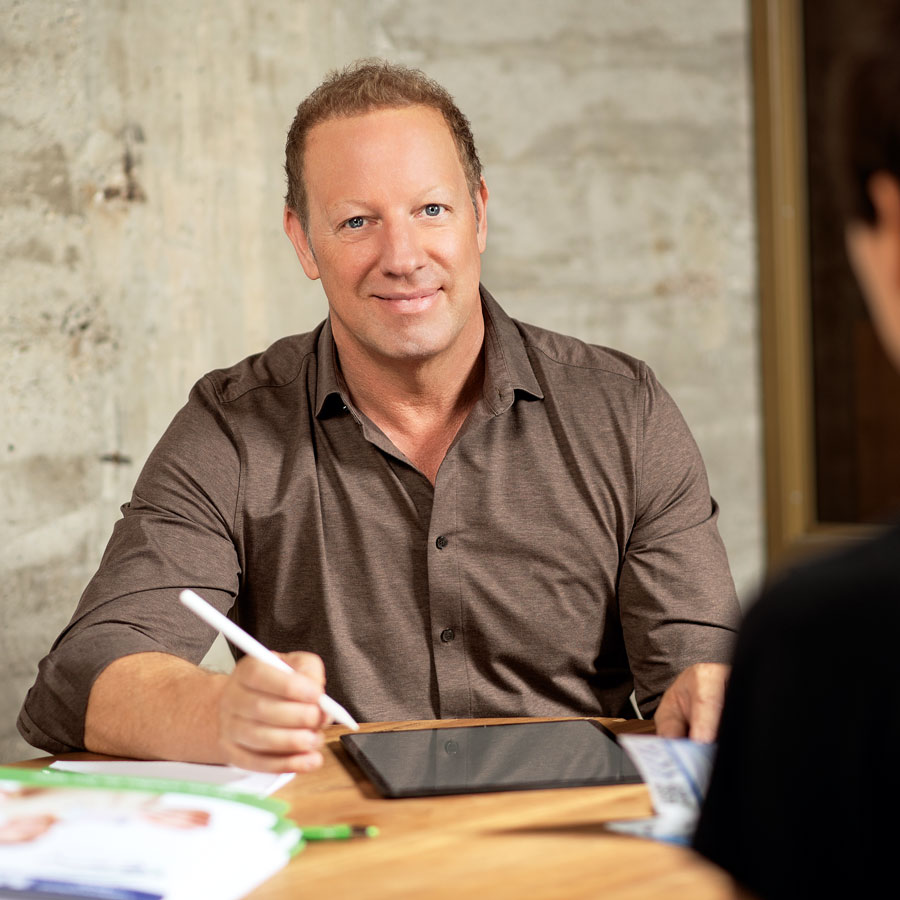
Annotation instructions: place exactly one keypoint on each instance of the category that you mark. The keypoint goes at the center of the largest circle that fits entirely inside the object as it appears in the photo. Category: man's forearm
(157, 706)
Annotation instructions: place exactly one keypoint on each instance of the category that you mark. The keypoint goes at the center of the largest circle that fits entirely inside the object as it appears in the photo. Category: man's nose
(402, 249)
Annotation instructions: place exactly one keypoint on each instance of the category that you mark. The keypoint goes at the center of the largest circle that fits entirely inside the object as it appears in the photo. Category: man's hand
(269, 720)
(692, 705)
(157, 706)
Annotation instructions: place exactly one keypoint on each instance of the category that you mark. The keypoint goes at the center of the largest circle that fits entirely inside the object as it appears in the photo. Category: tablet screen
(477, 758)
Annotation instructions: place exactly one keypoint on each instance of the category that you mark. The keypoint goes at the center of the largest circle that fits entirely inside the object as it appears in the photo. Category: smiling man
(451, 513)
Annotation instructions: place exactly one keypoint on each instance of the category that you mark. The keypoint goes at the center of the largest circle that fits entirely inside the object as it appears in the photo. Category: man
(805, 787)
(459, 514)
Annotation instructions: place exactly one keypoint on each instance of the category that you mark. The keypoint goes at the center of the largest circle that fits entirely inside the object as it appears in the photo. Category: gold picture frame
(792, 524)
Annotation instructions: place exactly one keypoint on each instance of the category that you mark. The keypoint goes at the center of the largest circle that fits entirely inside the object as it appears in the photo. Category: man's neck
(419, 404)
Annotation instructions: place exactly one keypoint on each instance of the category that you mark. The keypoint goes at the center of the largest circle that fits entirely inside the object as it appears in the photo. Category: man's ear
(874, 252)
(481, 199)
(294, 230)
(884, 192)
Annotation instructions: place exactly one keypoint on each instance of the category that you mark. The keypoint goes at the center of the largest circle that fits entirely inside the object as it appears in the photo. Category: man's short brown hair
(361, 87)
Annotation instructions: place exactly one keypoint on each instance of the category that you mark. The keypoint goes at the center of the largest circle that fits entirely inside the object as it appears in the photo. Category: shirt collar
(331, 391)
(507, 366)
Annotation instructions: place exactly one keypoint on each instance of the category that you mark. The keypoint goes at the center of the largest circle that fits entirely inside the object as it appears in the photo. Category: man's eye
(433, 209)
(355, 222)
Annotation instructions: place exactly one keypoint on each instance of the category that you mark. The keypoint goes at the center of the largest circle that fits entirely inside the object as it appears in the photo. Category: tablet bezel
(371, 771)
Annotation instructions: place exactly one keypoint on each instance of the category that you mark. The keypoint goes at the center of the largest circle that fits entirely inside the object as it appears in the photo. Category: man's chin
(411, 351)
(416, 338)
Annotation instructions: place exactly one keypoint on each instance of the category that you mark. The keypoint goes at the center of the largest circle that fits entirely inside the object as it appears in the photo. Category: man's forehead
(405, 144)
(406, 116)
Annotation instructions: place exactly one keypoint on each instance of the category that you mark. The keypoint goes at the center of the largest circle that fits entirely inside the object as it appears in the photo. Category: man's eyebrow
(355, 204)
(435, 189)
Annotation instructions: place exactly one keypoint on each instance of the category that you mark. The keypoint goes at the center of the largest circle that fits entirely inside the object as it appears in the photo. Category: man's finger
(254, 675)
(704, 721)
(670, 721)
(261, 762)
(266, 710)
(270, 740)
(310, 664)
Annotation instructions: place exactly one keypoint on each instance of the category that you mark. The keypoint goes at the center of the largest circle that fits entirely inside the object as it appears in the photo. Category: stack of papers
(130, 838)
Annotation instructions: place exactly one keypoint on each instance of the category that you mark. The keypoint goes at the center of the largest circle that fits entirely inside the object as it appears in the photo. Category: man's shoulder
(278, 366)
(567, 351)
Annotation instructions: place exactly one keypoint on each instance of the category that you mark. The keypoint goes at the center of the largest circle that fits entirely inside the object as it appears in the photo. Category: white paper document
(228, 778)
(677, 773)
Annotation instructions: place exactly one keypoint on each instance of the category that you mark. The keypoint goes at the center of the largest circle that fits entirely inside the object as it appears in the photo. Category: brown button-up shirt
(566, 553)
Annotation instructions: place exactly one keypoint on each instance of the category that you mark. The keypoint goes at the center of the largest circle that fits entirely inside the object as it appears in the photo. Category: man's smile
(409, 301)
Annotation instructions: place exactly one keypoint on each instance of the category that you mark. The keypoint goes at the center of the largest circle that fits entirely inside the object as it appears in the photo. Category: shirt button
(441, 542)
(451, 748)
(447, 635)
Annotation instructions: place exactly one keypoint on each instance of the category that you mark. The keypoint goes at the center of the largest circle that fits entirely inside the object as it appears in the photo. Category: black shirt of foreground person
(803, 798)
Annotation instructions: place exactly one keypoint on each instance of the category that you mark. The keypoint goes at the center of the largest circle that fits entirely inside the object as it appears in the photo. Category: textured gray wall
(141, 244)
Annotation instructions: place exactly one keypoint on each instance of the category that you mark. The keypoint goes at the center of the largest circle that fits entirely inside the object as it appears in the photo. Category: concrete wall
(141, 245)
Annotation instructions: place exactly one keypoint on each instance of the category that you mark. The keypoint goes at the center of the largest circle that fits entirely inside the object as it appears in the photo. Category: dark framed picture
(832, 399)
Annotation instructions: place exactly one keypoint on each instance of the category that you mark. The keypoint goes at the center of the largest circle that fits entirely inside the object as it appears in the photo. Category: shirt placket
(448, 632)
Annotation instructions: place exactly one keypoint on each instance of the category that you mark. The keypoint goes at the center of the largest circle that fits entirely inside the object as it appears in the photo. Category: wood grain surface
(529, 844)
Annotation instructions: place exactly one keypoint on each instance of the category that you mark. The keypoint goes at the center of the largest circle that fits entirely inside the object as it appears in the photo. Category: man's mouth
(408, 295)
(410, 301)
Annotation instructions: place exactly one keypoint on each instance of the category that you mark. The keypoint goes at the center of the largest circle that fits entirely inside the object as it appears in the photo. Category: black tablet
(479, 758)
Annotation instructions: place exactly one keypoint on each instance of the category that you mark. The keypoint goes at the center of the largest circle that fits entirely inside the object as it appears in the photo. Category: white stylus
(252, 647)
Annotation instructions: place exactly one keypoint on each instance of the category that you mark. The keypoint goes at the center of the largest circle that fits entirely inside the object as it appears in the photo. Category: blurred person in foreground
(806, 782)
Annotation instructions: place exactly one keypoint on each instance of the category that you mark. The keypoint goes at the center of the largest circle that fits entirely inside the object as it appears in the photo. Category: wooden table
(522, 844)
(529, 844)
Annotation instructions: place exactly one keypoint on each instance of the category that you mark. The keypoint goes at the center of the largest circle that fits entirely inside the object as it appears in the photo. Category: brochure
(107, 837)
(677, 772)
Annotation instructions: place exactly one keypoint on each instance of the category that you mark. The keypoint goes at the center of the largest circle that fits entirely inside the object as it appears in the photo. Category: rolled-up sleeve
(177, 531)
(677, 598)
